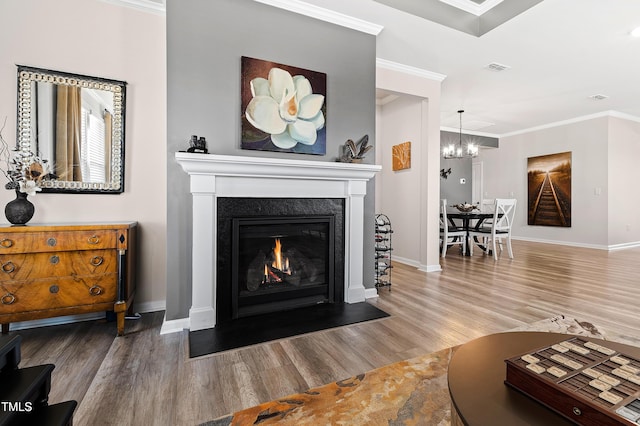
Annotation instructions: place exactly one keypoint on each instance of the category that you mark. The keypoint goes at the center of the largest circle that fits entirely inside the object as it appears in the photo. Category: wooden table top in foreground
(476, 380)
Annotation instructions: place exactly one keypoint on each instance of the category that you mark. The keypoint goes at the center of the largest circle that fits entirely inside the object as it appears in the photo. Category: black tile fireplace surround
(231, 210)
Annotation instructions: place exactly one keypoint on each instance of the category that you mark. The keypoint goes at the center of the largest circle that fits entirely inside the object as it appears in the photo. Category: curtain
(68, 133)
(108, 131)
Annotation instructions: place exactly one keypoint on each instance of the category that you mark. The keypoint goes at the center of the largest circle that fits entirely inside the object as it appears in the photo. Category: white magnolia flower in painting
(286, 108)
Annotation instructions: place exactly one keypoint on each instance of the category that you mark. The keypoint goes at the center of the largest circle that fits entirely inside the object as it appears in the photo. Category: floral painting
(401, 156)
(549, 190)
(283, 108)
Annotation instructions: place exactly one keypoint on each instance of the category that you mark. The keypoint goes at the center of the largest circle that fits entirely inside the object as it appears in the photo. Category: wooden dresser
(54, 270)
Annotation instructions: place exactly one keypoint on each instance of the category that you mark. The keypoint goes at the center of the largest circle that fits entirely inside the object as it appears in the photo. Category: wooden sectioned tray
(584, 381)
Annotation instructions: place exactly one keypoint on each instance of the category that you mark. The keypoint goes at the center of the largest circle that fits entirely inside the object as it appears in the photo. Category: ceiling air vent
(494, 66)
(598, 97)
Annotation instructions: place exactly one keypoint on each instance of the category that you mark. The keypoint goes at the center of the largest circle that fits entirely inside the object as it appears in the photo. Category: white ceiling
(560, 52)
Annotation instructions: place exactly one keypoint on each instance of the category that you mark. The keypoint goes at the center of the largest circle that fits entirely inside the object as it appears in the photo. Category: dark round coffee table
(477, 371)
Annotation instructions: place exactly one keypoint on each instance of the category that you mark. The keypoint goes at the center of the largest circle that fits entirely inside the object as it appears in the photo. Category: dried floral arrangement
(465, 207)
(24, 170)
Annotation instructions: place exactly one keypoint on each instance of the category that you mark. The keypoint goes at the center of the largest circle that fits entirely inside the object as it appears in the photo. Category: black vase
(20, 210)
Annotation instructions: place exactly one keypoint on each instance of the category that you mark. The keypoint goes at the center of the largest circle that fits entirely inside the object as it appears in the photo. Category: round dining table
(466, 218)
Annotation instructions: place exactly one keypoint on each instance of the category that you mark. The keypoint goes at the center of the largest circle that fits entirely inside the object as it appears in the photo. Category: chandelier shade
(453, 151)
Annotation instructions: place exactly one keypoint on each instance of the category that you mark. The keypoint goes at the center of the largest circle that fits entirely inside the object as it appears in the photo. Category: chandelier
(452, 151)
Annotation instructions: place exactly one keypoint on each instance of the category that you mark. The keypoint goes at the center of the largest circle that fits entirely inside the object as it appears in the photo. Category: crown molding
(615, 114)
(471, 7)
(295, 6)
(143, 5)
(408, 69)
(624, 116)
(387, 99)
(326, 15)
(468, 132)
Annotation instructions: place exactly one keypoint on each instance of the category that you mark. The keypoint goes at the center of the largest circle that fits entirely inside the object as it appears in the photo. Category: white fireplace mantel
(213, 176)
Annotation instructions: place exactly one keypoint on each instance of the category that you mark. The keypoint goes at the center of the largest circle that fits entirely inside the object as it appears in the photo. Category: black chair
(25, 391)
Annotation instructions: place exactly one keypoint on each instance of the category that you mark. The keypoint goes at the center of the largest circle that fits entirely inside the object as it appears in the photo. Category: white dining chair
(449, 234)
(487, 205)
(502, 222)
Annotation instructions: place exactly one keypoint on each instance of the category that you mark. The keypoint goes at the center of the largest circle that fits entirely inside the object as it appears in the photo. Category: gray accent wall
(205, 41)
(450, 188)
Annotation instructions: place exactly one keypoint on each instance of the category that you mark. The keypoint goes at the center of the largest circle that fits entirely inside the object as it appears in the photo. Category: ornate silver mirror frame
(39, 118)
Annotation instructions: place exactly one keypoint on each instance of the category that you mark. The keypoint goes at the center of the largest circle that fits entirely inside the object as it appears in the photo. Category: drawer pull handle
(51, 242)
(8, 267)
(95, 290)
(94, 239)
(8, 299)
(6, 243)
(54, 289)
(97, 260)
(54, 260)
(577, 411)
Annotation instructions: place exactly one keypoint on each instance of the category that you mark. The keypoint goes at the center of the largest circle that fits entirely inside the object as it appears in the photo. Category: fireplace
(215, 179)
(277, 254)
(281, 263)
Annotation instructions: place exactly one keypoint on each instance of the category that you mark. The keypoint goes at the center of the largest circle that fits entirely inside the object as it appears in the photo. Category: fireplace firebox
(276, 254)
(280, 263)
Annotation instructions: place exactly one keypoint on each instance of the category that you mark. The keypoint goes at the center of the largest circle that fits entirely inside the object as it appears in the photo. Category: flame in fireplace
(280, 262)
(277, 252)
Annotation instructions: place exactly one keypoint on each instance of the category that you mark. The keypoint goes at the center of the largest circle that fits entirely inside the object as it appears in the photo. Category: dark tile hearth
(263, 328)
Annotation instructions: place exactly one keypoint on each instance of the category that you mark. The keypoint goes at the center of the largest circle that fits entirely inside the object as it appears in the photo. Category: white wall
(624, 199)
(425, 163)
(400, 190)
(601, 179)
(58, 35)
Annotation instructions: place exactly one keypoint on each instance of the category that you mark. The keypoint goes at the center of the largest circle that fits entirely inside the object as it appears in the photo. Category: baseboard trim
(46, 322)
(613, 247)
(560, 243)
(624, 246)
(406, 261)
(430, 268)
(174, 326)
(370, 293)
(144, 307)
(417, 265)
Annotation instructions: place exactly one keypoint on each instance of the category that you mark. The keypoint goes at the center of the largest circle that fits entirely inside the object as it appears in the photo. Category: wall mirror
(76, 122)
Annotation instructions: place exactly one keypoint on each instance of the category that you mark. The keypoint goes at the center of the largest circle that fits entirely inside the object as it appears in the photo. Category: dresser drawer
(22, 266)
(44, 294)
(31, 242)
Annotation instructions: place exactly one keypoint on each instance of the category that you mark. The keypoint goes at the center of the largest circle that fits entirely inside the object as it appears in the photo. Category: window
(92, 151)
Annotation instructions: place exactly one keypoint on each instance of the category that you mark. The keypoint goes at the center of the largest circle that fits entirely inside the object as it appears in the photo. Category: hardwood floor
(144, 378)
